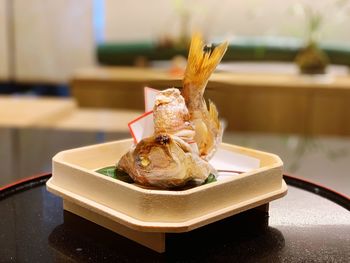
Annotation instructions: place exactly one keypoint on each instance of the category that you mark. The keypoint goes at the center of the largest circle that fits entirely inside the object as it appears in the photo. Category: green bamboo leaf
(108, 171)
(116, 173)
(210, 179)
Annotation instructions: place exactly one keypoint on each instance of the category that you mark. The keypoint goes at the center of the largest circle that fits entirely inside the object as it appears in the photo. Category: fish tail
(202, 61)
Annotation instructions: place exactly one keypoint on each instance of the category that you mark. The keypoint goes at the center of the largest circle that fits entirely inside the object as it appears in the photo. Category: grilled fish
(186, 132)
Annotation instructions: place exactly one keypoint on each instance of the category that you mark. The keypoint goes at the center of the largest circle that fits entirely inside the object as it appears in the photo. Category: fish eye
(143, 161)
(162, 139)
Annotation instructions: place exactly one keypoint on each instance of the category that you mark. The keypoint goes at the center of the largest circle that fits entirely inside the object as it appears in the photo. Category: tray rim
(185, 193)
(147, 213)
(166, 227)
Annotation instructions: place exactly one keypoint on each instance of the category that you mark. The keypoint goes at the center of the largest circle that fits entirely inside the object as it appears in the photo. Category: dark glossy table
(301, 227)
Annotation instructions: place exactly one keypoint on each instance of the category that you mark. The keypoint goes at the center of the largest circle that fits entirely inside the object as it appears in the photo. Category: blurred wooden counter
(96, 120)
(34, 129)
(281, 103)
(16, 115)
(22, 111)
(79, 128)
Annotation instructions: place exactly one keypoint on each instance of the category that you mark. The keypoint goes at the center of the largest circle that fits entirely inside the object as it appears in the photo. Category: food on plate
(186, 132)
(171, 115)
(164, 161)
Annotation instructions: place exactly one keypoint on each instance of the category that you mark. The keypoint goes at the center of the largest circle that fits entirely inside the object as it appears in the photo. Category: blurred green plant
(185, 12)
(312, 59)
(317, 15)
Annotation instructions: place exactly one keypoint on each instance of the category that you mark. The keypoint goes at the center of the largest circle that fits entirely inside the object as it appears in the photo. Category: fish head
(155, 160)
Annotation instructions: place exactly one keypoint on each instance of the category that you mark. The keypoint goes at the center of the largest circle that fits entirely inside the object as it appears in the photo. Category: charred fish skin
(202, 61)
(164, 161)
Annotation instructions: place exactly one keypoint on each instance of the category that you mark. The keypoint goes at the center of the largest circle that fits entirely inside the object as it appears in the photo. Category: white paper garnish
(150, 98)
(226, 162)
(142, 126)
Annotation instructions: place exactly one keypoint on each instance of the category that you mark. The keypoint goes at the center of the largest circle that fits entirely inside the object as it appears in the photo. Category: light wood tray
(145, 215)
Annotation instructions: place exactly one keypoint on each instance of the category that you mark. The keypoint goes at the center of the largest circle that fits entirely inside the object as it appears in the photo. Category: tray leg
(263, 208)
(154, 241)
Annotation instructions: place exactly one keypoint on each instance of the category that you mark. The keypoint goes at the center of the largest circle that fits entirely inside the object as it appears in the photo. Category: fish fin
(202, 137)
(202, 61)
(214, 114)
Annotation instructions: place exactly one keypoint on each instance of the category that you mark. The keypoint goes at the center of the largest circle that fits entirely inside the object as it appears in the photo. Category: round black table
(304, 226)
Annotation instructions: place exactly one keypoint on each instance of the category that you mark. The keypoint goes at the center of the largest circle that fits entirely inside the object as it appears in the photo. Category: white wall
(140, 20)
(4, 53)
(53, 38)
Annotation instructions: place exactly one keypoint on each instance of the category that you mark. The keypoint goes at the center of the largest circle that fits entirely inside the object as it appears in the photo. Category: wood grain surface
(279, 103)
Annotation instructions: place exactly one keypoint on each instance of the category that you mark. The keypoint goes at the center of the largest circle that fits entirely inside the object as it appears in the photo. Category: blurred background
(72, 73)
